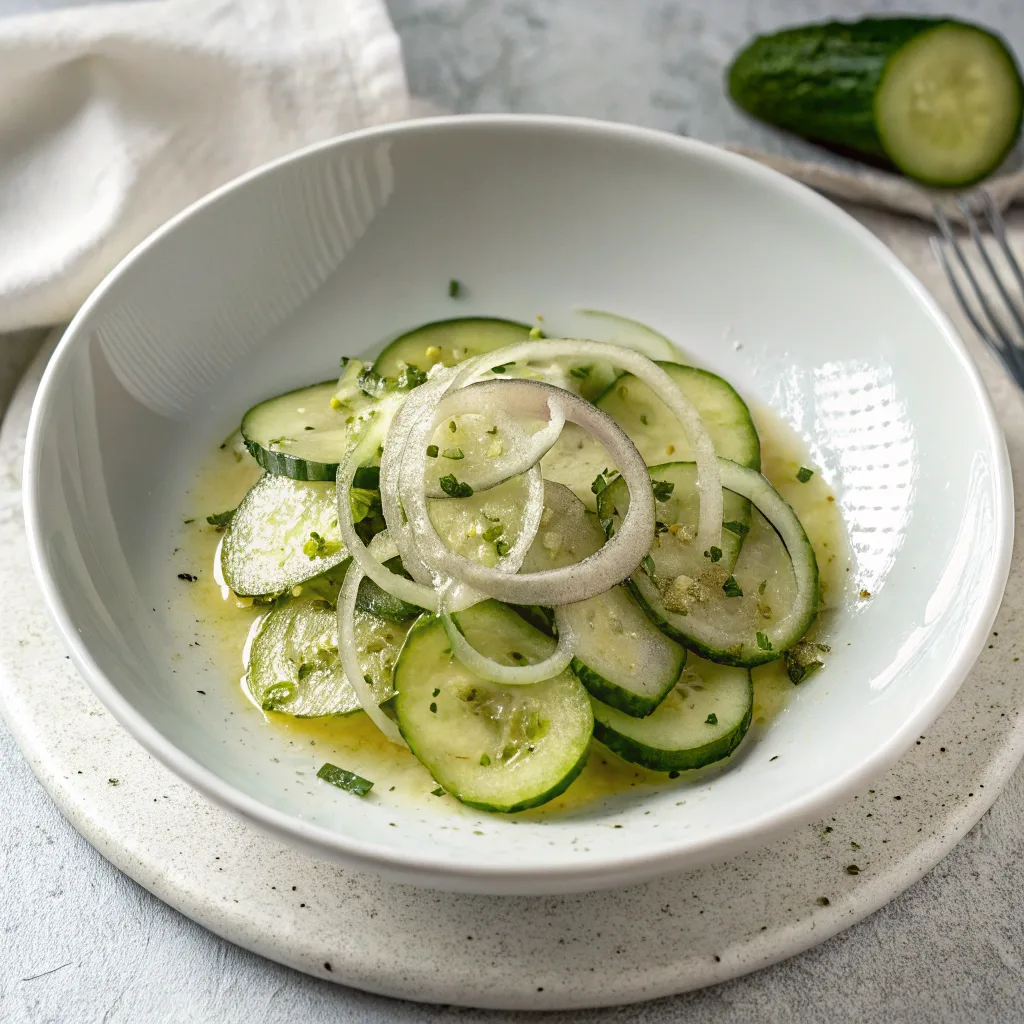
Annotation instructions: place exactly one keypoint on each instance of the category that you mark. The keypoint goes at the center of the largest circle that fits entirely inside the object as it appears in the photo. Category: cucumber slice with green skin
(937, 98)
(756, 612)
(448, 342)
(262, 553)
(577, 458)
(299, 434)
(492, 747)
(621, 330)
(702, 720)
(369, 598)
(293, 665)
(679, 512)
(621, 657)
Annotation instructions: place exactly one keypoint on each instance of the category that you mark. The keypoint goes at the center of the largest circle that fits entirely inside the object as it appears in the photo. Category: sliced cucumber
(620, 330)
(299, 434)
(702, 720)
(493, 747)
(577, 458)
(293, 665)
(371, 598)
(262, 552)
(622, 658)
(751, 614)
(677, 516)
(448, 342)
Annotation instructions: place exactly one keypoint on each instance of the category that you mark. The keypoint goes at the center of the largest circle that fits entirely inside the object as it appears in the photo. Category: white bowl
(262, 285)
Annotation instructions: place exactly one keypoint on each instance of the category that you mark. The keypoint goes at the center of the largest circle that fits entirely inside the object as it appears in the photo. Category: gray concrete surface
(80, 943)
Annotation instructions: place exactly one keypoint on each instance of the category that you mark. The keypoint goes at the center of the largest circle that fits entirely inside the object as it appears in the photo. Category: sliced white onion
(381, 549)
(616, 560)
(509, 675)
(398, 586)
(709, 483)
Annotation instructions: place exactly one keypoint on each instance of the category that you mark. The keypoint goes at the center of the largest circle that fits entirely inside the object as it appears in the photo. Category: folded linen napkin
(116, 117)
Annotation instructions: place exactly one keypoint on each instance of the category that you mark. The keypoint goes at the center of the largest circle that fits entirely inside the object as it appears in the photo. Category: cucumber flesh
(299, 434)
(747, 616)
(702, 720)
(262, 552)
(293, 665)
(492, 747)
(621, 657)
(949, 106)
(599, 325)
(448, 342)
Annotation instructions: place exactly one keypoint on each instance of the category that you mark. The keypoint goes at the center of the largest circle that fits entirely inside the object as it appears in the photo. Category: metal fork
(1005, 336)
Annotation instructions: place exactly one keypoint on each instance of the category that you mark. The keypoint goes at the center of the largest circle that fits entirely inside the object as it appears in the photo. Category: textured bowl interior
(261, 287)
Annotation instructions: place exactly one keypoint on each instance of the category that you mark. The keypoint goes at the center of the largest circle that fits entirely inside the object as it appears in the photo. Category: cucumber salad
(502, 547)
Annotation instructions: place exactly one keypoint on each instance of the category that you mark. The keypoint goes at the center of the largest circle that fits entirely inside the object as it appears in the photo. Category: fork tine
(999, 230)
(972, 226)
(1011, 355)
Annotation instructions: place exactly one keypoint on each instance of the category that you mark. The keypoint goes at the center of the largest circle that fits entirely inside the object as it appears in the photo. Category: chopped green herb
(364, 503)
(452, 426)
(581, 372)
(348, 781)
(498, 369)
(493, 430)
(622, 392)
(643, 418)
(410, 377)
(455, 488)
(648, 564)
(803, 659)
(712, 719)
(673, 775)
(823, 901)
(502, 547)
(516, 656)
(453, 289)
(536, 332)
(852, 869)
(660, 528)
(281, 440)
(371, 383)
(453, 453)
(367, 478)
(492, 533)
(437, 690)
(599, 484)
(437, 792)
(761, 587)
(316, 545)
(190, 521)
(740, 529)
(433, 708)
(662, 489)
(763, 642)
(715, 554)
(432, 451)
(484, 760)
(804, 474)
(732, 588)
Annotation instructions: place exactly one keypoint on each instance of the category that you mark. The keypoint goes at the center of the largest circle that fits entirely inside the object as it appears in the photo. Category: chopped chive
(712, 719)
(581, 372)
(453, 453)
(804, 474)
(732, 588)
(484, 760)
(455, 488)
(662, 489)
(432, 451)
(454, 287)
(492, 533)
(763, 642)
(740, 529)
(348, 781)
(648, 565)
(502, 547)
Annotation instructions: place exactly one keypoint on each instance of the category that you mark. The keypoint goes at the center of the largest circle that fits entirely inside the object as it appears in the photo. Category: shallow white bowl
(262, 285)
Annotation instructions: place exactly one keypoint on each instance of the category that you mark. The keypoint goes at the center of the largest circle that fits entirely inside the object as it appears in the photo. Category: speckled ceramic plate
(547, 952)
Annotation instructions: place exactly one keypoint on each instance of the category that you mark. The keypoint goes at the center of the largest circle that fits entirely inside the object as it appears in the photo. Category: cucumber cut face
(492, 747)
(299, 434)
(294, 667)
(448, 342)
(264, 551)
(948, 109)
(702, 720)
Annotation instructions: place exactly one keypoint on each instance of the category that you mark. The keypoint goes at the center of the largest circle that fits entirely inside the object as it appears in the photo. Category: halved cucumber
(262, 552)
(677, 515)
(448, 342)
(702, 720)
(577, 458)
(293, 665)
(493, 747)
(621, 657)
(299, 434)
(751, 614)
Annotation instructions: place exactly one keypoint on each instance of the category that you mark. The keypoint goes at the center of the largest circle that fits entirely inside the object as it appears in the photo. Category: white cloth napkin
(114, 118)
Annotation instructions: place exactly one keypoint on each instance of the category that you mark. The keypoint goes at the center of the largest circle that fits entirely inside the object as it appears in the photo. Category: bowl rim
(602, 869)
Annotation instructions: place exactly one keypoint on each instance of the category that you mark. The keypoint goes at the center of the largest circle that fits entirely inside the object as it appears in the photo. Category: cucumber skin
(673, 760)
(821, 81)
(281, 464)
(615, 696)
